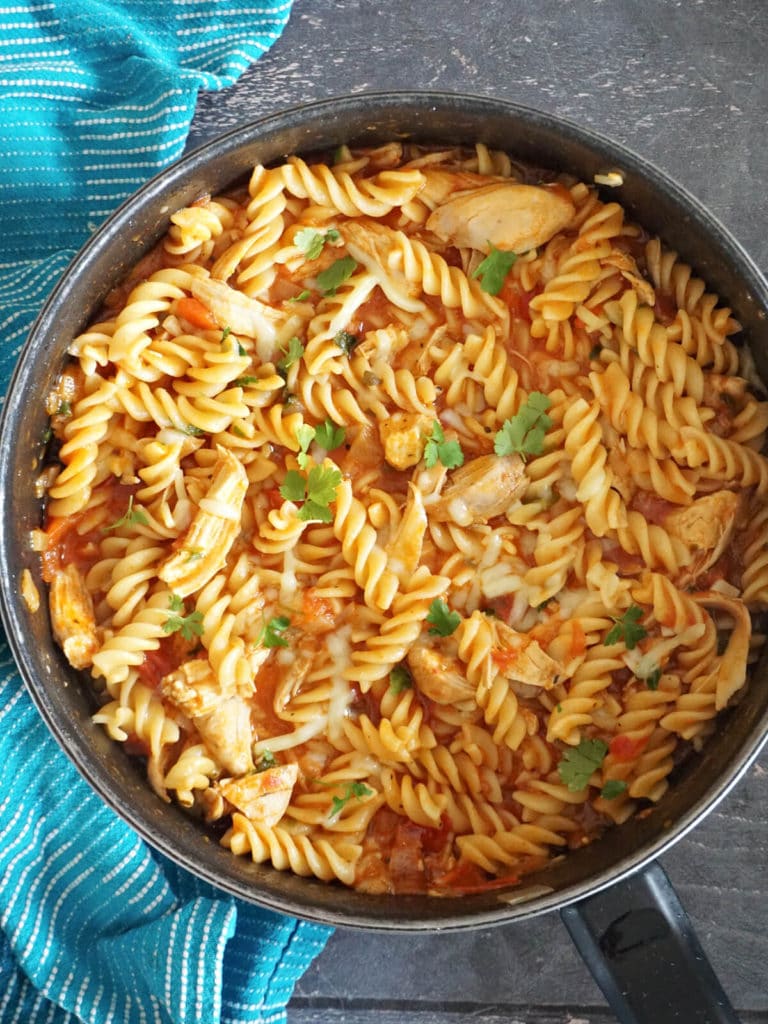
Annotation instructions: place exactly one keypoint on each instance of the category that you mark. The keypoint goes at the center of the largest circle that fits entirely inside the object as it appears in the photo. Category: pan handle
(640, 946)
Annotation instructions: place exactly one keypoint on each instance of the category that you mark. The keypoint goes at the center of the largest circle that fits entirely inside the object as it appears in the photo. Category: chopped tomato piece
(196, 313)
(319, 612)
(627, 748)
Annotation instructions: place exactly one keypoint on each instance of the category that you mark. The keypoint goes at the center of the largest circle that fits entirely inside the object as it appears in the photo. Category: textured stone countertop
(684, 83)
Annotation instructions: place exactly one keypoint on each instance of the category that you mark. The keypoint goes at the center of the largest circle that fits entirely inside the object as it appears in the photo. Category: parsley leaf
(494, 269)
(400, 679)
(627, 628)
(328, 280)
(266, 761)
(317, 490)
(311, 242)
(225, 334)
(345, 341)
(190, 625)
(65, 409)
(193, 431)
(292, 354)
(301, 297)
(242, 382)
(652, 681)
(270, 634)
(305, 435)
(443, 621)
(132, 515)
(579, 763)
(437, 448)
(294, 486)
(613, 788)
(524, 433)
(356, 789)
(329, 436)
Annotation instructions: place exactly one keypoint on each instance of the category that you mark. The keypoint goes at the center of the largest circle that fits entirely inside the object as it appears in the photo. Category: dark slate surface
(685, 83)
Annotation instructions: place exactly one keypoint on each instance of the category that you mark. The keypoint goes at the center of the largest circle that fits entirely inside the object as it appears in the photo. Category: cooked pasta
(408, 513)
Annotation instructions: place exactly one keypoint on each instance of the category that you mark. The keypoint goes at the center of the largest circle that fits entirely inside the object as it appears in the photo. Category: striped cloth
(95, 97)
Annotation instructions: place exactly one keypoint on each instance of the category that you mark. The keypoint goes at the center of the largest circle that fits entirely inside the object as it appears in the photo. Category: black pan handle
(640, 946)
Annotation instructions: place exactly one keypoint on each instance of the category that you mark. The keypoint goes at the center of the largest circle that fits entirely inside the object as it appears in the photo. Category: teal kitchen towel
(95, 97)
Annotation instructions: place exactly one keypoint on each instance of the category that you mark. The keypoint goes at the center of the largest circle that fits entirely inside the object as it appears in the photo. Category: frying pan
(614, 898)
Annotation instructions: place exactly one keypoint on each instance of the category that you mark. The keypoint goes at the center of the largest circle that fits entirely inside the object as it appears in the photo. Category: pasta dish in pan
(407, 509)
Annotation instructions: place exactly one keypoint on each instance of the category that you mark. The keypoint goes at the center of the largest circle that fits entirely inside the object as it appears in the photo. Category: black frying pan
(615, 900)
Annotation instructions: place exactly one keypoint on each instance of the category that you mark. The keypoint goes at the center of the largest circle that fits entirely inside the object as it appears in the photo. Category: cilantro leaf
(627, 628)
(301, 297)
(311, 242)
(270, 634)
(65, 408)
(494, 269)
(613, 788)
(305, 435)
(579, 763)
(292, 354)
(190, 625)
(329, 436)
(400, 679)
(345, 341)
(130, 516)
(313, 511)
(449, 453)
(242, 382)
(443, 620)
(524, 433)
(193, 431)
(328, 280)
(266, 761)
(353, 789)
(294, 486)
(652, 681)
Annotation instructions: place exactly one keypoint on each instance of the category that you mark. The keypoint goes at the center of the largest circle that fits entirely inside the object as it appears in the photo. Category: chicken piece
(480, 489)
(404, 436)
(440, 185)
(705, 527)
(506, 215)
(213, 530)
(372, 245)
(438, 676)
(404, 550)
(263, 797)
(223, 721)
(72, 617)
(522, 659)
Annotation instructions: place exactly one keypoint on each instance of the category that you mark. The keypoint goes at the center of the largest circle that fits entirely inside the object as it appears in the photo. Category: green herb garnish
(243, 382)
(524, 433)
(193, 431)
(613, 788)
(354, 789)
(193, 554)
(190, 625)
(317, 491)
(400, 679)
(443, 620)
(652, 681)
(345, 341)
(292, 354)
(301, 297)
(328, 280)
(494, 268)
(449, 453)
(627, 628)
(579, 763)
(271, 632)
(311, 242)
(266, 761)
(65, 409)
(329, 436)
(305, 436)
(132, 515)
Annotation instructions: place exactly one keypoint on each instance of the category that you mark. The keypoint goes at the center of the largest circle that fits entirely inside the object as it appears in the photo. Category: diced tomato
(434, 839)
(319, 612)
(627, 748)
(274, 497)
(578, 639)
(196, 313)
(505, 658)
(159, 663)
(513, 295)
